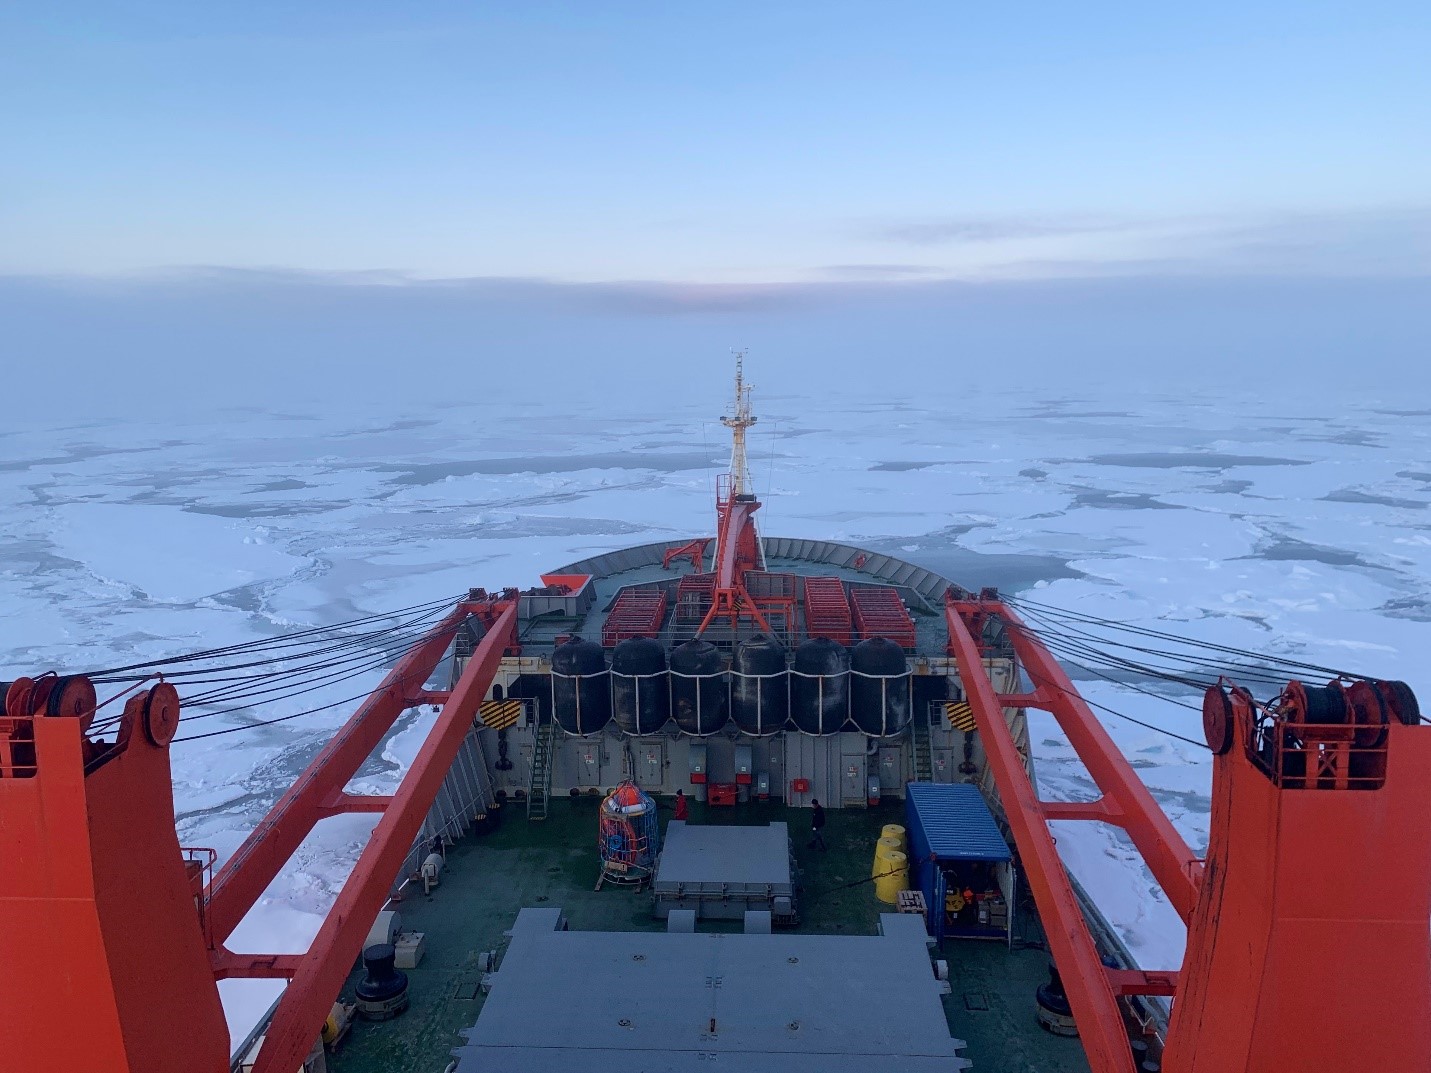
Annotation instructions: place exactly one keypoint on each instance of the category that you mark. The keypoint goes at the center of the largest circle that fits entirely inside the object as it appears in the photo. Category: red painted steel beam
(228, 965)
(1036, 699)
(308, 999)
(1174, 865)
(1143, 982)
(246, 875)
(1081, 810)
(1090, 994)
(347, 803)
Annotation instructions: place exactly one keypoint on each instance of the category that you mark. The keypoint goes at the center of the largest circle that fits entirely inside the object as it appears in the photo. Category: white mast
(738, 420)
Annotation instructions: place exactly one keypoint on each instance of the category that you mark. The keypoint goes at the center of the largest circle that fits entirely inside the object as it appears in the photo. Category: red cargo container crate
(721, 793)
(693, 598)
(636, 613)
(879, 612)
(827, 609)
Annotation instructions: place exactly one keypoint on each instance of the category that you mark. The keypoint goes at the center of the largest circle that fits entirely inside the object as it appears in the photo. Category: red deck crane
(1308, 946)
(120, 926)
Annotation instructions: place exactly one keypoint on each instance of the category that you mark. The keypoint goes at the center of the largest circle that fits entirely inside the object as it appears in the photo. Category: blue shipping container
(951, 822)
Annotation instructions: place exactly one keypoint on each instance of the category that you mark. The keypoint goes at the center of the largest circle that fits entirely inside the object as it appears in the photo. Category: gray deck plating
(722, 871)
(652, 1002)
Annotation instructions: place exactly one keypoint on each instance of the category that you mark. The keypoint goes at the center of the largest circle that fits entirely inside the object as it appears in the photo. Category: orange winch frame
(1308, 946)
(112, 956)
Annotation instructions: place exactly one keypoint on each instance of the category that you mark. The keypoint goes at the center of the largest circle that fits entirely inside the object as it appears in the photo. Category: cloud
(1368, 243)
(984, 229)
(194, 343)
(878, 271)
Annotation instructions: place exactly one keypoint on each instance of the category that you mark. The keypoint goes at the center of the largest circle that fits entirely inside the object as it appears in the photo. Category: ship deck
(554, 863)
(641, 566)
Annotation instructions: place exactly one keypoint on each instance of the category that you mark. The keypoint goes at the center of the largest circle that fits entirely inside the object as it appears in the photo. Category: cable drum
(1400, 701)
(1369, 714)
(1324, 705)
(1217, 721)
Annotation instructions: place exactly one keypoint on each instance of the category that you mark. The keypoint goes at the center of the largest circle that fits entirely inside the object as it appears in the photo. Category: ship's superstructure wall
(839, 764)
(836, 686)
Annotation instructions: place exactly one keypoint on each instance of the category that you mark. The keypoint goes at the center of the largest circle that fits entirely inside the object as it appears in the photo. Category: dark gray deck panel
(671, 1003)
(722, 871)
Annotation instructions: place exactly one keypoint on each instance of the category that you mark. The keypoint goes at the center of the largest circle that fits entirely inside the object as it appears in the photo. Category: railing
(17, 746)
(466, 794)
(539, 789)
(1319, 756)
(921, 739)
(199, 864)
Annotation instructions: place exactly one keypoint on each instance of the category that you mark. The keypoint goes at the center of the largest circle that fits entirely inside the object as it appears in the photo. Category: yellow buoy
(893, 830)
(331, 1025)
(894, 879)
(883, 848)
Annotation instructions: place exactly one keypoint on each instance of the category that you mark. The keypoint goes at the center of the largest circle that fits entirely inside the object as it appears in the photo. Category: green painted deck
(554, 863)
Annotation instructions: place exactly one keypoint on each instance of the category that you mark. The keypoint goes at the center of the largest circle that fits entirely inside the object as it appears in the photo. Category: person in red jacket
(682, 808)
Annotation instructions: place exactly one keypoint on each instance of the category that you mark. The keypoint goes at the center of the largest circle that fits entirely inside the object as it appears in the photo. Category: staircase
(539, 791)
(923, 747)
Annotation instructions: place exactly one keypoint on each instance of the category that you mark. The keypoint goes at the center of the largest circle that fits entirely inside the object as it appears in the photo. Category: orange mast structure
(737, 544)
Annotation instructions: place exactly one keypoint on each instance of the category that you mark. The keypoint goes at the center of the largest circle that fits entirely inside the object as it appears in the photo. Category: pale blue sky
(741, 142)
(206, 202)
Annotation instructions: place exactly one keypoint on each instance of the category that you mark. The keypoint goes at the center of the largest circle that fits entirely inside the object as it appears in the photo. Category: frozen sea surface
(1294, 530)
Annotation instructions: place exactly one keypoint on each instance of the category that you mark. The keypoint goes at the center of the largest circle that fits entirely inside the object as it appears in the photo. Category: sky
(1032, 181)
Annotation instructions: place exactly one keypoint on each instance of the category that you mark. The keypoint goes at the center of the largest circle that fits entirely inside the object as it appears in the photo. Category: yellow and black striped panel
(500, 714)
(961, 716)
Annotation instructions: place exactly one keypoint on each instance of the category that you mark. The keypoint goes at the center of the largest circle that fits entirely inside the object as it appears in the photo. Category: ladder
(923, 747)
(540, 788)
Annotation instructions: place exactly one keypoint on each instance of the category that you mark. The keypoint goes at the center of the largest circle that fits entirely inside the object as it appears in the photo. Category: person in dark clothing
(817, 824)
(682, 808)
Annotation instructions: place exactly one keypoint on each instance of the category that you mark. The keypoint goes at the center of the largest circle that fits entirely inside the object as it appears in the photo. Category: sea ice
(1291, 534)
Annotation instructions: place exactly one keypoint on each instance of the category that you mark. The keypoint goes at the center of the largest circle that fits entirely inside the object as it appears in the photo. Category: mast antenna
(738, 420)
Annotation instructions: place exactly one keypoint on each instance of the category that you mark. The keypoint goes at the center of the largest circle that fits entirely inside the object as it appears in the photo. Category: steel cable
(1190, 642)
(326, 660)
(280, 641)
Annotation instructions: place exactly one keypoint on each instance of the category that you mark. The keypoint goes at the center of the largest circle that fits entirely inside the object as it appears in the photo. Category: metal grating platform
(667, 1003)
